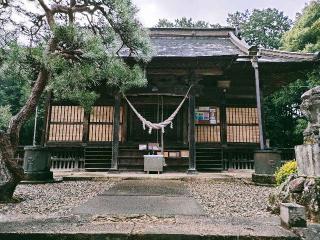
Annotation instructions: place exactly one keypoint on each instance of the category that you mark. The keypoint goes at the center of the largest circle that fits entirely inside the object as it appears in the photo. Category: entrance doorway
(153, 113)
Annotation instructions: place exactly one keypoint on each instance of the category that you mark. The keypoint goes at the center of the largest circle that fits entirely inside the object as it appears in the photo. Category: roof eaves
(289, 55)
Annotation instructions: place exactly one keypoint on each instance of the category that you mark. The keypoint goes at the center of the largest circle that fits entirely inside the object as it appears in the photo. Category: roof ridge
(192, 32)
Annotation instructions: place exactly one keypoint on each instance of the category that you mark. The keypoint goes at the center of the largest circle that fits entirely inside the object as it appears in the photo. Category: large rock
(297, 185)
(308, 160)
(310, 108)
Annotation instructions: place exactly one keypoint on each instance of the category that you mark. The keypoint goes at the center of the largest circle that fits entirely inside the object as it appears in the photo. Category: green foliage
(285, 171)
(185, 23)
(305, 34)
(95, 66)
(284, 123)
(5, 116)
(85, 60)
(261, 27)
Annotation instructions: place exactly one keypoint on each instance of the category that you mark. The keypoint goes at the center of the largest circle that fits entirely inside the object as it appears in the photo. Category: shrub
(285, 171)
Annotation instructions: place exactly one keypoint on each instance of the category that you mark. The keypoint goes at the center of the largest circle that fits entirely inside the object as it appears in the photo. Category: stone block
(308, 160)
(266, 179)
(266, 161)
(292, 215)
(153, 163)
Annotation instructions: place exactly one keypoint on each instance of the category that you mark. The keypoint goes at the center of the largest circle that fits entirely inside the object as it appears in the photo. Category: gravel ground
(231, 198)
(52, 199)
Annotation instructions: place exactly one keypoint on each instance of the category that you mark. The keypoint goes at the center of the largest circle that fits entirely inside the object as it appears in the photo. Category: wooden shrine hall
(219, 126)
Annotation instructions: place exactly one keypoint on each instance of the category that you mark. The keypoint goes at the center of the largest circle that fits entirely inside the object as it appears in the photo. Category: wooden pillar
(116, 129)
(85, 132)
(191, 133)
(255, 66)
(47, 117)
(223, 119)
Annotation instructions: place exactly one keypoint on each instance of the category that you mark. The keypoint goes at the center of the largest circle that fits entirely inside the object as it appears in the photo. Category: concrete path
(143, 209)
(151, 197)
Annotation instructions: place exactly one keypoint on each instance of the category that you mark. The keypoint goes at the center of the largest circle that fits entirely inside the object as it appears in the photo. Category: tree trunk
(10, 173)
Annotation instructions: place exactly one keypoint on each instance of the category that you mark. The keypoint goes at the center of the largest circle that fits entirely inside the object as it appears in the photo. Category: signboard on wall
(206, 115)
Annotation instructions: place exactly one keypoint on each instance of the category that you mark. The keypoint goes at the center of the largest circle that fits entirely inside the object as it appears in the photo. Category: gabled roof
(177, 42)
(185, 42)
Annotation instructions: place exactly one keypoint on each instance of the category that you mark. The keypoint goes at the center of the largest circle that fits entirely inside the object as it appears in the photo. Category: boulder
(297, 185)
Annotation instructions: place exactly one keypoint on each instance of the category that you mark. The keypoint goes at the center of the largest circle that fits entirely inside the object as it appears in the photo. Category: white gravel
(52, 199)
(231, 198)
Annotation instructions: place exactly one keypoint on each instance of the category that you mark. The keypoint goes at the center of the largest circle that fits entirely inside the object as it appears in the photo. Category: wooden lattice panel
(101, 124)
(66, 123)
(207, 133)
(242, 125)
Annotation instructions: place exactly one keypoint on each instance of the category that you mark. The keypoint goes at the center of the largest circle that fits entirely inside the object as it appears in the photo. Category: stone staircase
(97, 158)
(209, 159)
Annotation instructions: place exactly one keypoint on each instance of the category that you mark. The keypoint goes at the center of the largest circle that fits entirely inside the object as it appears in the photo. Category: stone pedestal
(292, 215)
(37, 164)
(308, 160)
(266, 163)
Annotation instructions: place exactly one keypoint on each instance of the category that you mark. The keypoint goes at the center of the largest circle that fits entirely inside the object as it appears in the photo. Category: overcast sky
(213, 11)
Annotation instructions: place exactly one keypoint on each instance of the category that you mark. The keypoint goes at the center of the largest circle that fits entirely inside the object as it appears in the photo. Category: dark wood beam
(85, 133)
(212, 71)
(191, 133)
(116, 129)
(259, 102)
(47, 117)
(223, 119)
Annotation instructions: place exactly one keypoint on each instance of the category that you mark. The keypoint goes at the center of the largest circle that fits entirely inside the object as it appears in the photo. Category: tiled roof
(180, 42)
(192, 43)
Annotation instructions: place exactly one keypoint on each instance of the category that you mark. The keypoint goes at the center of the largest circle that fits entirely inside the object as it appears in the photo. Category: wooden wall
(67, 123)
(101, 124)
(242, 125)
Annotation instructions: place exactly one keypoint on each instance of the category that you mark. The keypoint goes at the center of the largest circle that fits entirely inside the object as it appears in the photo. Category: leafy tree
(261, 27)
(305, 34)
(185, 23)
(284, 122)
(73, 47)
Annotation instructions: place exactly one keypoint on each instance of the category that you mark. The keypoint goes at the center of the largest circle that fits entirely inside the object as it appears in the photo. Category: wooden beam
(223, 118)
(213, 71)
(255, 66)
(192, 140)
(116, 129)
(47, 117)
(85, 132)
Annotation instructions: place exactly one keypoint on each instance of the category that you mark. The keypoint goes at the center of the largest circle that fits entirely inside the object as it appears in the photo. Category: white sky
(212, 11)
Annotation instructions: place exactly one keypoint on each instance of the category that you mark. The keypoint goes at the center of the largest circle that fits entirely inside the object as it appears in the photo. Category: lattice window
(242, 125)
(66, 124)
(101, 124)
